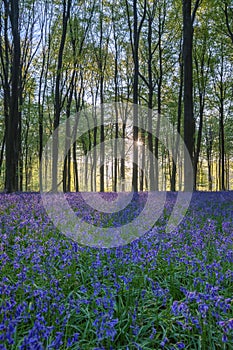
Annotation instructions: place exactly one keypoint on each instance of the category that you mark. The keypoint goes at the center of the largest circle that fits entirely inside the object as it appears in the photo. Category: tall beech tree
(101, 54)
(202, 63)
(135, 31)
(18, 48)
(11, 81)
(66, 6)
(178, 127)
(189, 121)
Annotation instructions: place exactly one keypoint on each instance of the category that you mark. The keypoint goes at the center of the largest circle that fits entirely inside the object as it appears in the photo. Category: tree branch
(197, 4)
(227, 22)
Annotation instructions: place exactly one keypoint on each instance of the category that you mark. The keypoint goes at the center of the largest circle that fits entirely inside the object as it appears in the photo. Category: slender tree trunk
(189, 122)
(67, 161)
(209, 145)
(115, 173)
(199, 137)
(160, 77)
(41, 102)
(135, 30)
(221, 128)
(2, 152)
(12, 136)
(135, 36)
(228, 173)
(177, 142)
(58, 102)
(19, 138)
(102, 147)
(94, 154)
(123, 158)
(150, 106)
(135, 98)
(101, 65)
(222, 148)
(209, 175)
(26, 163)
(142, 155)
(202, 76)
(79, 104)
(5, 62)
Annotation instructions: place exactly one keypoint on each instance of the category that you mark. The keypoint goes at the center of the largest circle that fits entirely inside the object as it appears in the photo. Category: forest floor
(164, 290)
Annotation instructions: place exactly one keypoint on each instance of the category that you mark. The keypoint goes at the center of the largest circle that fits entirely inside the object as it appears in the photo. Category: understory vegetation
(162, 291)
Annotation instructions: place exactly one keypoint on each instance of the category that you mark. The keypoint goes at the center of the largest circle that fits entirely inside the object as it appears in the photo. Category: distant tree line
(58, 57)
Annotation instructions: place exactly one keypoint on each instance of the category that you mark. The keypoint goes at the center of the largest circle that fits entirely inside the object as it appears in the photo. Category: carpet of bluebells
(162, 291)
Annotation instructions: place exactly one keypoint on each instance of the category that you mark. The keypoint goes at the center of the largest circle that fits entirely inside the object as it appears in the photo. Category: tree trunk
(12, 136)
(150, 106)
(2, 152)
(123, 158)
(209, 149)
(222, 148)
(189, 122)
(179, 113)
(115, 173)
(135, 98)
(159, 104)
(57, 102)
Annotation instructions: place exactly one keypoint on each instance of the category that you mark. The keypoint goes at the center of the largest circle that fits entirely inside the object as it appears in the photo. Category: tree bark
(189, 122)
(57, 102)
(179, 113)
(12, 135)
